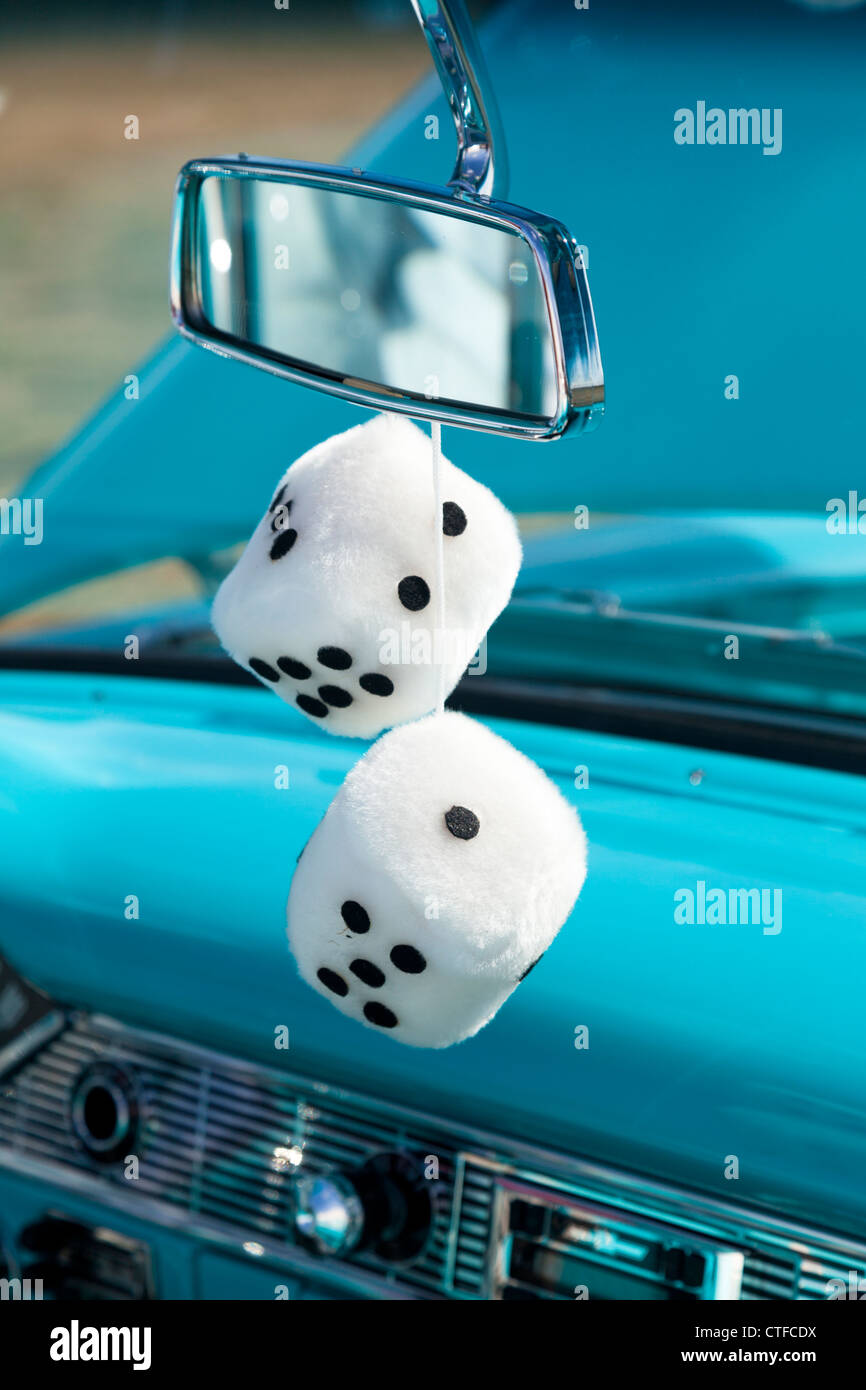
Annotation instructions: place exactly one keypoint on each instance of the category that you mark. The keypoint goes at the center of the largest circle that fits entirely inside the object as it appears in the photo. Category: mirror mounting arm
(458, 61)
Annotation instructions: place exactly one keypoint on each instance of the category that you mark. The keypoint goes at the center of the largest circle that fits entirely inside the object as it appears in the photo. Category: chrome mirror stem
(457, 57)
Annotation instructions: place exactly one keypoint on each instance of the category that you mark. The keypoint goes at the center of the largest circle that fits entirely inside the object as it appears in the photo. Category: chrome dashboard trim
(30, 1041)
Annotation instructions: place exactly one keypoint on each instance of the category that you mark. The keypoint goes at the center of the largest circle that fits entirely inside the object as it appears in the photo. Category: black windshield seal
(771, 733)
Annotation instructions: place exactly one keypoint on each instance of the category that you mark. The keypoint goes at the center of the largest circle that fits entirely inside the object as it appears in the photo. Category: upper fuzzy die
(441, 872)
(333, 601)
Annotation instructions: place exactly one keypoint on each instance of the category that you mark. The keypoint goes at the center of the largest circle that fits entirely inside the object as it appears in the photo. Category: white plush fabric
(355, 519)
(480, 911)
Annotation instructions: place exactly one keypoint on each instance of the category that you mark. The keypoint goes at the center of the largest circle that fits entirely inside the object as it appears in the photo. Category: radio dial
(385, 1206)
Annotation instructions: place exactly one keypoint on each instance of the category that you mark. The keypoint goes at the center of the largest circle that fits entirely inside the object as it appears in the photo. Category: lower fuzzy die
(439, 876)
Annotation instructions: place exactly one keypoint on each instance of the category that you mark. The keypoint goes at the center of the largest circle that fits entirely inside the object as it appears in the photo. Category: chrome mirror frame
(480, 169)
(579, 382)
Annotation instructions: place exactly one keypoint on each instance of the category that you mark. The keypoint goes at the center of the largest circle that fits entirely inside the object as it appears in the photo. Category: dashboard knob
(385, 1205)
(329, 1213)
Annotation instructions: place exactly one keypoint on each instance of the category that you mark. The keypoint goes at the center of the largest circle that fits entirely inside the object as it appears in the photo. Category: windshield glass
(709, 538)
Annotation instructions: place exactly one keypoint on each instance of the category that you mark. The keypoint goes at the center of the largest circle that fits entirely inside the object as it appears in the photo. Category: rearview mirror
(430, 302)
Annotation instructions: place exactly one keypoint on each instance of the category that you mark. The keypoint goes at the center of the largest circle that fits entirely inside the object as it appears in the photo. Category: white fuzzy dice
(441, 872)
(333, 601)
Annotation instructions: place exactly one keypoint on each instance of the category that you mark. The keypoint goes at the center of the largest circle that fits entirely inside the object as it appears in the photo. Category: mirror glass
(377, 291)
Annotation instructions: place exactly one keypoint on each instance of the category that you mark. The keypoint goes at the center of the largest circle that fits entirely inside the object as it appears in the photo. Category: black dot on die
(332, 981)
(407, 959)
(462, 823)
(414, 593)
(529, 967)
(311, 706)
(278, 500)
(453, 519)
(283, 543)
(333, 695)
(368, 972)
(374, 1012)
(376, 684)
(296, 669)
(334, 658)
(354, 916)
(262, 669)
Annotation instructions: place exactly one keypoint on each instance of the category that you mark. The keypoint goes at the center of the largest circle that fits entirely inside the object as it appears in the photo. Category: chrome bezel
(107, 1078)
(577, 362)
(308, 1192)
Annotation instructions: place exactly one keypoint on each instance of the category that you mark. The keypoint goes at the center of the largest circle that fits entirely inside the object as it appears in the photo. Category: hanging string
(439, 565)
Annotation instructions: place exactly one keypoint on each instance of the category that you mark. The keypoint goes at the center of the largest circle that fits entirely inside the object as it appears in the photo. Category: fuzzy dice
(333, 602)
(441, 872)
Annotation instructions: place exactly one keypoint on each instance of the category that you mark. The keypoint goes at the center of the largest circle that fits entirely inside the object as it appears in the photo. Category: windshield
(708, 539)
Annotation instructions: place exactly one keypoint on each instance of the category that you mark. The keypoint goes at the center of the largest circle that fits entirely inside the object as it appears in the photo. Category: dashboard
(174, 1171)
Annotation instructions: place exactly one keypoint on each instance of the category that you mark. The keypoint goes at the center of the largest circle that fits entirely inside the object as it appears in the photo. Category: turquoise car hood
(705, 1041)
(695, 258)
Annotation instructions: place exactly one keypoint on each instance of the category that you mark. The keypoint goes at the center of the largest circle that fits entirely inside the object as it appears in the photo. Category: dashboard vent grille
(473, 1216)
(768, 1275)
(809, 1274)
(819, 1277)
(222, 1142)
